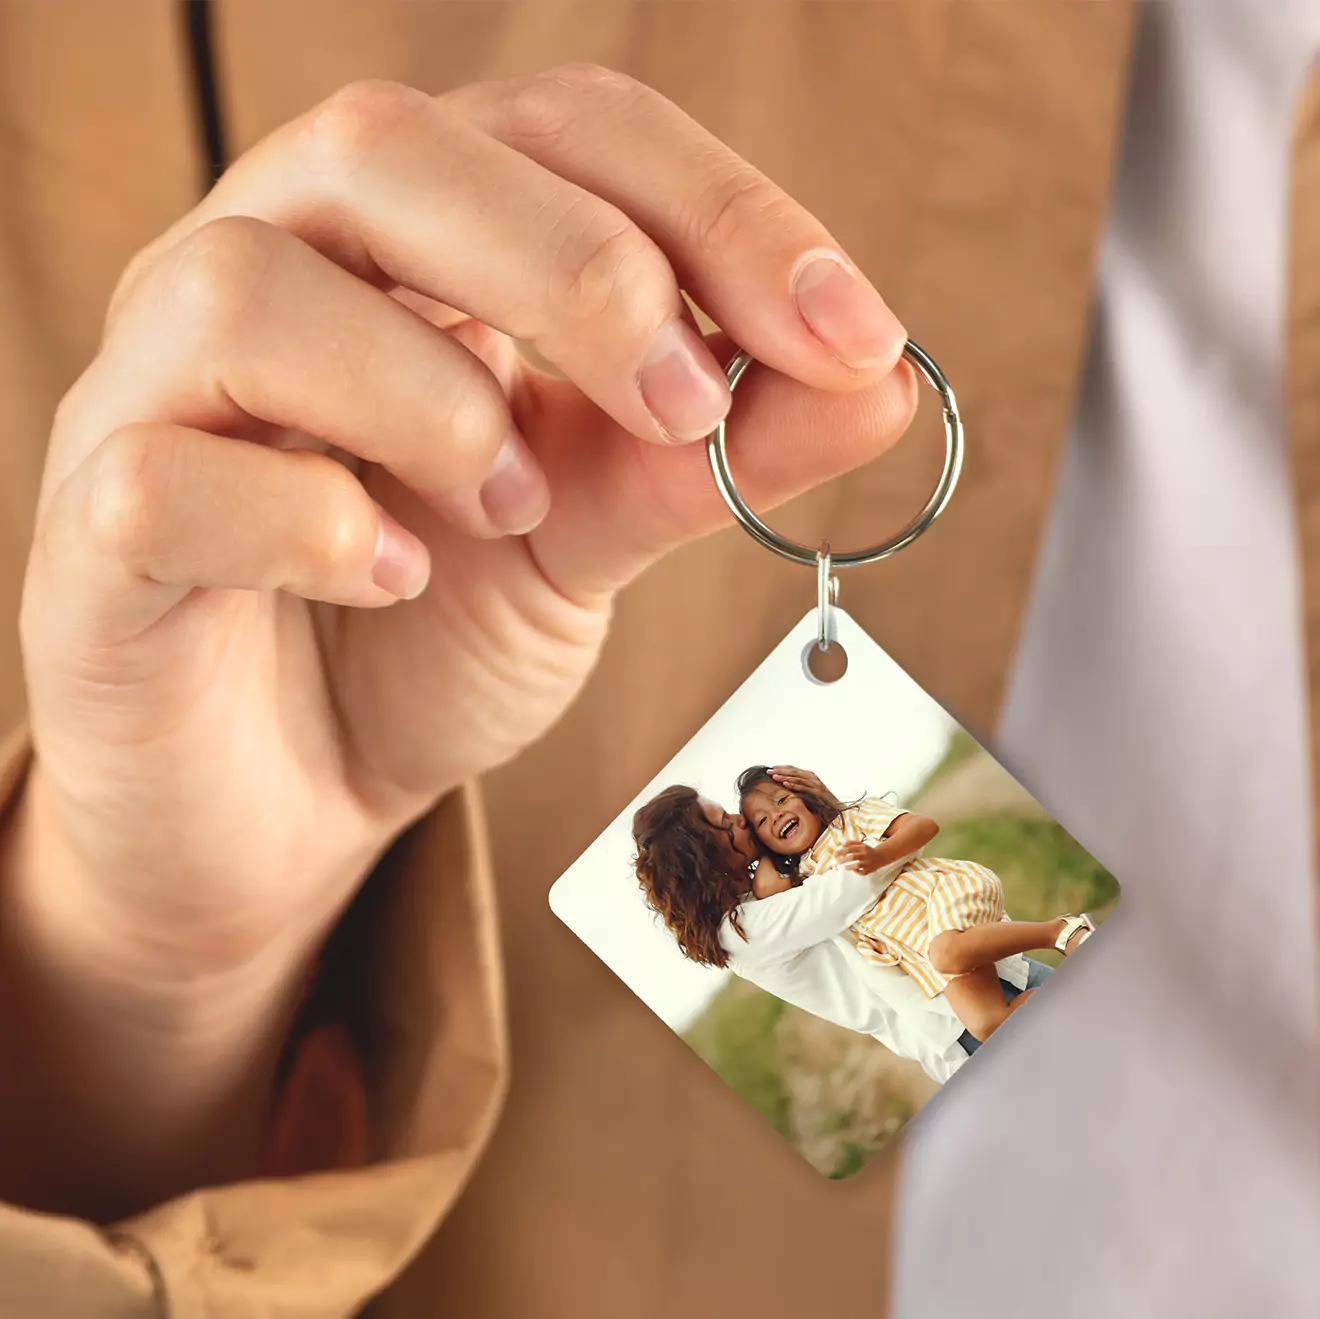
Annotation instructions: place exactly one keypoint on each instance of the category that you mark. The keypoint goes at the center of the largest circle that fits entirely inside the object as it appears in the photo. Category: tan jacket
(966, 166)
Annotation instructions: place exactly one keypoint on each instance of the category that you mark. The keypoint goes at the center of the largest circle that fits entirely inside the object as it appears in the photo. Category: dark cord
(197, 22)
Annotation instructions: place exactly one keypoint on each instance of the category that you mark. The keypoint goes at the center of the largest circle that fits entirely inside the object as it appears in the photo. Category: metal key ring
(717, 452)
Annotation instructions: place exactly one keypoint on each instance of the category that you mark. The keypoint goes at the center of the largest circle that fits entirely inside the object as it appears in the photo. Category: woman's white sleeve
(821, 907)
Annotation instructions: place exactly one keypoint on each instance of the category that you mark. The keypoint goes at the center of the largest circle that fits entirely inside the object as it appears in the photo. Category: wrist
(124, 1086)
(69, 934)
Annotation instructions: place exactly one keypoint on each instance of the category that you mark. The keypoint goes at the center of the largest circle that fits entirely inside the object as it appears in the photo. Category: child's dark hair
(826, 812)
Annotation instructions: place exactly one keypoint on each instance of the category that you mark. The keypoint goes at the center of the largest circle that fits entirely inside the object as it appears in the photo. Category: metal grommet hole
(827, 666)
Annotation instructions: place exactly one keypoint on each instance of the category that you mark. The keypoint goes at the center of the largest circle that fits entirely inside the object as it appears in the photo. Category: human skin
(315, 545)
(968, 956)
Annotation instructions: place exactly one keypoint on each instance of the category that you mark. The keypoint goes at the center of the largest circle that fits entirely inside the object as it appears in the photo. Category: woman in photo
(942, 921)
(696, 864)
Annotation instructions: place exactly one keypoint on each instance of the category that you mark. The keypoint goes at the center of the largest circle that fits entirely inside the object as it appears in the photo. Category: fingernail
(402, 565)
(516, 495)
(682, 385)
(847, 315)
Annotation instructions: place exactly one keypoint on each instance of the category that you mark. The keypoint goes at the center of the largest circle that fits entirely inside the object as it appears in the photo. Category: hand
(803, 780)
(767, 880)
(315, 544)
(269, 616)
(862, 857)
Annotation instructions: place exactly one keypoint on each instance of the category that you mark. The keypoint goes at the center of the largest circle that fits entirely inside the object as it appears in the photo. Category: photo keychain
(833, 893)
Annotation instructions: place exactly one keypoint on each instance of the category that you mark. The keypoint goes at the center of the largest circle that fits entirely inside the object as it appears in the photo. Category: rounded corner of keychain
(790, 926)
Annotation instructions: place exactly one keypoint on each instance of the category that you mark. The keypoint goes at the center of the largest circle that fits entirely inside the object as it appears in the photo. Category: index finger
(763, 267)
(406, 193)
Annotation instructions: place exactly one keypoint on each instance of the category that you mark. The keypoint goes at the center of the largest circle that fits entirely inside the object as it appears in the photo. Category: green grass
(853, 1158)
(736, 1037)
(962, 746)
(1045, 872)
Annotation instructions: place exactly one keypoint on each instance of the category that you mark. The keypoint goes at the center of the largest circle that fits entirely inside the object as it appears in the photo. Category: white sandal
(1071, 924)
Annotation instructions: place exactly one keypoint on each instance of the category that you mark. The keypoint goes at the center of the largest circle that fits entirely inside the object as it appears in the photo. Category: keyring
(717, 452)
(827, 596)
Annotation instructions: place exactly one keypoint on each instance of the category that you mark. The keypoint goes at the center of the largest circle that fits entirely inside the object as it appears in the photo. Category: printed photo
(836, 897)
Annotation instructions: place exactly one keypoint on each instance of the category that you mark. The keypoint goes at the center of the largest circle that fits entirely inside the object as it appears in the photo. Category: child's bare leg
(956, 952)
(978, 999)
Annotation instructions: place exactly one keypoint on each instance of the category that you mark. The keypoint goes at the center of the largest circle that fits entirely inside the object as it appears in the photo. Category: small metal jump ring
(827, 596)
(717, 452)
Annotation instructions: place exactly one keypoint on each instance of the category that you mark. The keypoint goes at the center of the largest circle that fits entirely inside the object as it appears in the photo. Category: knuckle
(341, 539)
(348, 127)
(218, 271)
(741, 203)
(587, 78)
(615, 272)
(129, 495)
(131, 278)
(345, 544)
(476, 422)
(75, 404)
(547, 104)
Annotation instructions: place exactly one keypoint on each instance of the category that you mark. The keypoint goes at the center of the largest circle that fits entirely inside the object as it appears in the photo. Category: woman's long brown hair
(684, 873)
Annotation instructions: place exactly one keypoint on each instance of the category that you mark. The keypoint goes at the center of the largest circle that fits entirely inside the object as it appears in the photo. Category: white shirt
(1158, 1120)
(797, 948)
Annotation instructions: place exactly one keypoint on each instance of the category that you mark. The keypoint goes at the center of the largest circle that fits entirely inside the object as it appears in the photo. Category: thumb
(620, 504)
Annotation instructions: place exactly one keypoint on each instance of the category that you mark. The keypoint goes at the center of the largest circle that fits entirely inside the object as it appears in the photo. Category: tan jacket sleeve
(423, 941)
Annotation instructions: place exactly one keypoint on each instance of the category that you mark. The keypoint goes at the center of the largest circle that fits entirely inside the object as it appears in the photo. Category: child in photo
(942, 921)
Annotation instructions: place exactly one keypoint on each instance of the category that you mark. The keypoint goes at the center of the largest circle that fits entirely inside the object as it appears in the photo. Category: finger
(760, 264)
(243, 322)
(403, 191)
(159, 510)
(618, 506)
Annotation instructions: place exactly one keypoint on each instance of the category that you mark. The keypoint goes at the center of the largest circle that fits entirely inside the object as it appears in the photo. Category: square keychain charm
(832, 892)
(829, 892)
